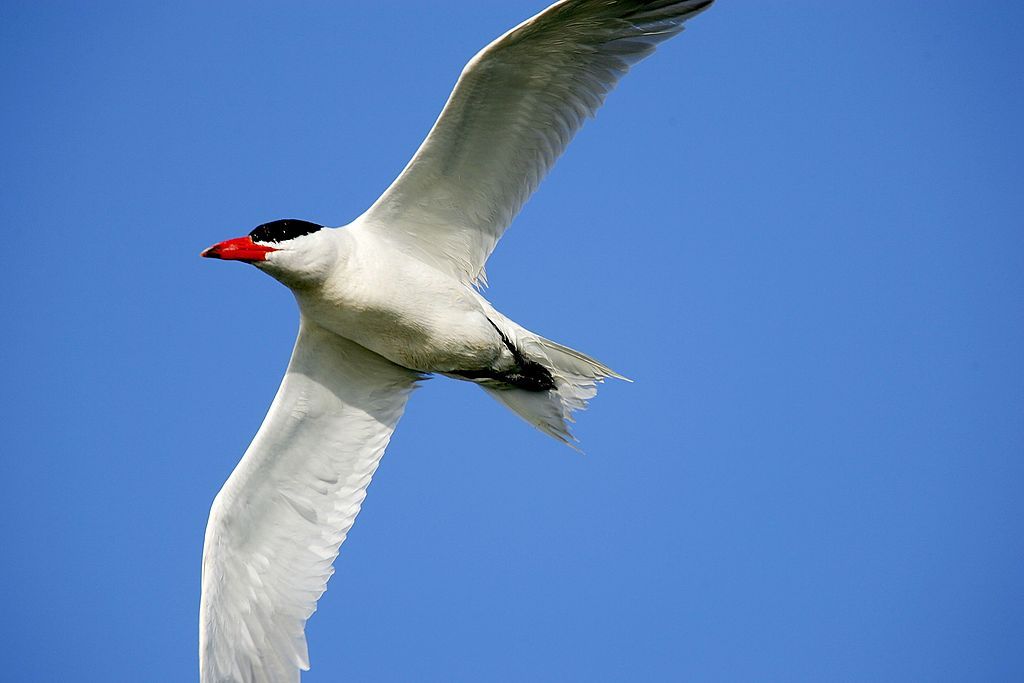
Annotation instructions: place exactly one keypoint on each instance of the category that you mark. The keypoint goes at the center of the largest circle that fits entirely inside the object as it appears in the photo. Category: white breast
(402, 309)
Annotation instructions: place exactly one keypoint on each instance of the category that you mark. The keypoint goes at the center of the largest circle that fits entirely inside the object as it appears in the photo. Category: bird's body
(393, 297)
(386, 301)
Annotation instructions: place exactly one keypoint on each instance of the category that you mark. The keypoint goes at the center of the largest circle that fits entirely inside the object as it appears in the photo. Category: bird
(396, 296)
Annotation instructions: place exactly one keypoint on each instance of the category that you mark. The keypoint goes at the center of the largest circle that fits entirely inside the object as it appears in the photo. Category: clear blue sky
(798, 227)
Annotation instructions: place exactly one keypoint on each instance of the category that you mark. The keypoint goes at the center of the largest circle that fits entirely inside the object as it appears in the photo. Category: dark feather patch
(283, 230)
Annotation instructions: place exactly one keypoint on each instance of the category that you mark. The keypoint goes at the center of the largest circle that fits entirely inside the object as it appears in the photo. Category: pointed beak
(238, 249)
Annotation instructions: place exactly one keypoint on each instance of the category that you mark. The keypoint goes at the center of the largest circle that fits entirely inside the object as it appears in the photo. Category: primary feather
(276, 526)
(512, 113)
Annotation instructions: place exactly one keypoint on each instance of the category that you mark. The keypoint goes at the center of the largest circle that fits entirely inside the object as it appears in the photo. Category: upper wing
(516, 106)
(276, 526)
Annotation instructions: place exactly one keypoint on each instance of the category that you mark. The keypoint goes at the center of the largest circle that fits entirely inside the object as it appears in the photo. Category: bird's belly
(427, 338)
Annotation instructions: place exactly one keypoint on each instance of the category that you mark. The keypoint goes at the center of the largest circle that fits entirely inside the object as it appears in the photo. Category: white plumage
(276, 526)
(512, 113)
(391, 297)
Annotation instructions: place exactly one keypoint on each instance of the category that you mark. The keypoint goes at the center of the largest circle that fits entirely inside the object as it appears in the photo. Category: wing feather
(276, 526)
(514, 109)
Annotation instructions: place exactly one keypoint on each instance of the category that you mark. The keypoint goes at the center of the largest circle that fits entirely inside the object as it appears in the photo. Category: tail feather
(576, 377)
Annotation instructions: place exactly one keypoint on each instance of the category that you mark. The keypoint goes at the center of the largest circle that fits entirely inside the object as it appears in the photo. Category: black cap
(282, 230)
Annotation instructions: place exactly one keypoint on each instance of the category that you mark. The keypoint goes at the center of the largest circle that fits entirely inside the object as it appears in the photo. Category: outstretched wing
(276, 526)
(515, 107)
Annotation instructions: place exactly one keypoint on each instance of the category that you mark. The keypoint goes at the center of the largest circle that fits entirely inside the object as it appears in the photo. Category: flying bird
(395, 296)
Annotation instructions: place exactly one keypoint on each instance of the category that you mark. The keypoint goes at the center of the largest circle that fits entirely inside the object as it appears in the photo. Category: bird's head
(298, 253)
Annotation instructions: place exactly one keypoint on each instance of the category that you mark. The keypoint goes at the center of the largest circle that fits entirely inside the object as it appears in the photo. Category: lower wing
(276, 526)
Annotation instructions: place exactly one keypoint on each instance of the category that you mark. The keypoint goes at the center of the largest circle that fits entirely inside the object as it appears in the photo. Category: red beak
(238, 249)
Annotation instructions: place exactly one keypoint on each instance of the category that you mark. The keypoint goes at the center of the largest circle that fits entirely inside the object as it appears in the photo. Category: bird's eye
(282, 230)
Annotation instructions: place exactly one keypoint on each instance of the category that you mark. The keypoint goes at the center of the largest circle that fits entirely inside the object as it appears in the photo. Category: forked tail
(575, 377)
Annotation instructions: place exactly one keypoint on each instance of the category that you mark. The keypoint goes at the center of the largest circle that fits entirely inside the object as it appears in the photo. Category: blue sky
(798, 227)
